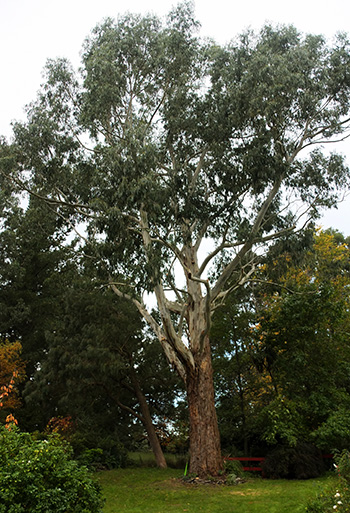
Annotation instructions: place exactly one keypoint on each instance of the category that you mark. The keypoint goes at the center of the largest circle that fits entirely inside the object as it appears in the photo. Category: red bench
(252, 459)
(247, 460)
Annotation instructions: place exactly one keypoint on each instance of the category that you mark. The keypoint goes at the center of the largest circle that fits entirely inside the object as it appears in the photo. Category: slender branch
(275, 284)
(217, 250)
(227, 272)
(310, 136)
(207, 310)
(197, 171)
(127, 409)
(157, 107)
(118, 402)
(274, 235)
(220, 299)
(78, 207)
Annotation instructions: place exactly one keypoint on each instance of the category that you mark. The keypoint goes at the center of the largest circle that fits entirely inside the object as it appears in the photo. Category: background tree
(12, 372)
(59, 313)
(234, 370)
(99, 369)
(303, 345)
(166, 141)
(32, 262)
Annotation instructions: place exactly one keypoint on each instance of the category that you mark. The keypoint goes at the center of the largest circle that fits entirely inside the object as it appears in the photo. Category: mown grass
(149, 490)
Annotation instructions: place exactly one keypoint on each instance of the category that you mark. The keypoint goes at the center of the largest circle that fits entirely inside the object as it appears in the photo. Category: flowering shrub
(335, 499)
(40, 476)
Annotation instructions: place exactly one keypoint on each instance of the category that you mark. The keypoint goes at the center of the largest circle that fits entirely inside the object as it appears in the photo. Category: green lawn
(149, 490)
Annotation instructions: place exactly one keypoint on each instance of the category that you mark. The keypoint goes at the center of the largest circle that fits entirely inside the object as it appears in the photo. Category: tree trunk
(147, 422)
(205, 452)
(153, 437)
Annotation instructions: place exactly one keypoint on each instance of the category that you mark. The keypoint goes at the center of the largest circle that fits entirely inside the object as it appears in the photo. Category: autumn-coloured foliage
(10, 422)
(301, 342)
(63, 426)
(12, 372)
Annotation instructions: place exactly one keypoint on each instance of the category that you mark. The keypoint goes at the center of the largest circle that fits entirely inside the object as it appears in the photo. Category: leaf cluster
(41, 476)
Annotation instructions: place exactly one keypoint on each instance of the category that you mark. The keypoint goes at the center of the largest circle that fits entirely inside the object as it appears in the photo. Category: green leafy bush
(97, 451)
(40, 476)
(234, 467)
(335, 431)
(304, 461)
(336, 499)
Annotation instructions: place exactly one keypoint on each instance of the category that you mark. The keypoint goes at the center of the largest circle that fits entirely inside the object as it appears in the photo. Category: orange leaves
(6, 390)
(12, 372)
(10, 421)
(63, 426)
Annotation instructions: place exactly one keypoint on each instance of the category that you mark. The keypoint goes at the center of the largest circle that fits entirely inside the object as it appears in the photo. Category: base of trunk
(205, 451)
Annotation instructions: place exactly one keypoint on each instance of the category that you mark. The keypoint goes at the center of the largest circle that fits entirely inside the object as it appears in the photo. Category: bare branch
(245, 277)
(182, 352)
(207, 310)
(197, 171)
(227, 272)
(78, 207)
(167, 347)
(275, 284)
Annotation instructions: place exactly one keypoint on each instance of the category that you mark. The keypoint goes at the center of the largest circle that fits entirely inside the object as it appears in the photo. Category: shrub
(336, 499)
(304, 461)
(234, 467)
(99, 451)
(40, 476)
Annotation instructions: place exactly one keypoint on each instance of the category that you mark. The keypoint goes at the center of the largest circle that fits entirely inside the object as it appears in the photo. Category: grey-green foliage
(163, 140)
(155, 98)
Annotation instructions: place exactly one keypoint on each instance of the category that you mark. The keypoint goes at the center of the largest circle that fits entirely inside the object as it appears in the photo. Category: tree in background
(302, 346)
(32, 273)
(99, 369)
(165, 141)
(234, 371)
(12, 372)
(59, 314)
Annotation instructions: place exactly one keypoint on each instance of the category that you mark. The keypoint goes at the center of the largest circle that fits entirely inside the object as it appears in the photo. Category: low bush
(335, 499)
(234, 467)
(40, 476)
(304, 461)
(98, 451)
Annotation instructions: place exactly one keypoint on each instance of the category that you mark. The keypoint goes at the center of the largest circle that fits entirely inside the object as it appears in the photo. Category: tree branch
(227, 272)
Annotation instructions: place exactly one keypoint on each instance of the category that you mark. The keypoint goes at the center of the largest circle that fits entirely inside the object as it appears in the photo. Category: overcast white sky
(32, 31)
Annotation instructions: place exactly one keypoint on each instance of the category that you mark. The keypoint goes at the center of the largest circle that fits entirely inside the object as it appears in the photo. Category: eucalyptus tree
(164, 142)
